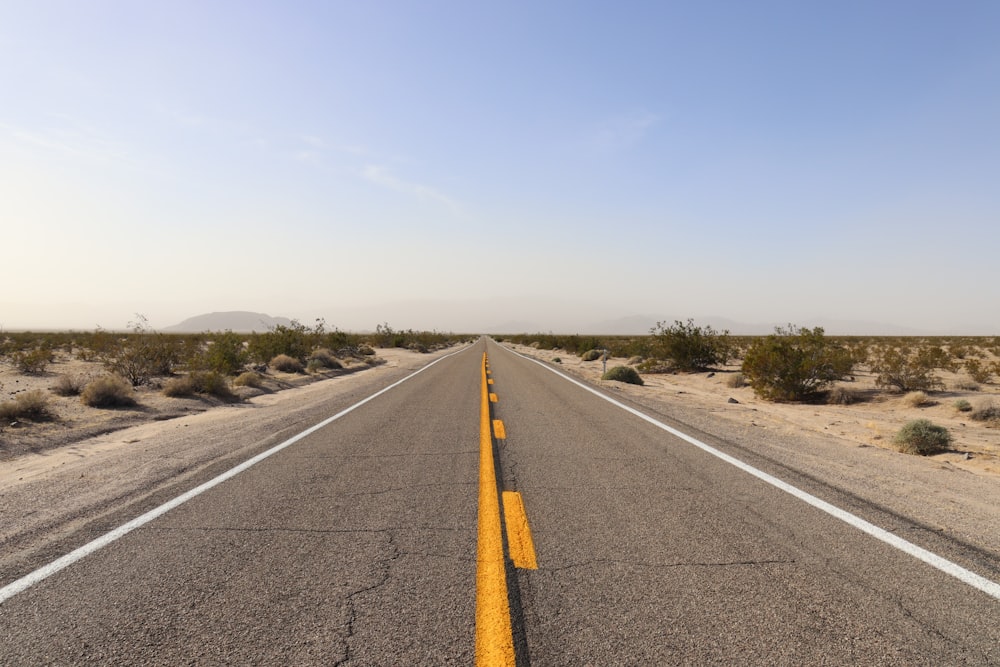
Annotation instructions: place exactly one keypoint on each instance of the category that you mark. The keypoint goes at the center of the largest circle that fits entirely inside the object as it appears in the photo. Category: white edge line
(977, 581)
(29, 580)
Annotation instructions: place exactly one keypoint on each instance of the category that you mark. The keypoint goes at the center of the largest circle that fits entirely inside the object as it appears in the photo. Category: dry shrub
(736, 380)
(67, 386)
(324, 358)
(967, 385)
(591, 355)
(286, 364)
(181, 387)
(200, 382)
(922, 437)
(249, 379)
(32, 362)
(962, 405)
(986, 411)
(33, 405)
(843, 396)
(108, 391)
(917, 399)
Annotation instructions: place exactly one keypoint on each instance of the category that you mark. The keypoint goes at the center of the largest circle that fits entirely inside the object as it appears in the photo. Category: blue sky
(458, 165)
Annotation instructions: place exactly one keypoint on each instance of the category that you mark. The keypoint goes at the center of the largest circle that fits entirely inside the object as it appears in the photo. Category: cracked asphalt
(357, 546)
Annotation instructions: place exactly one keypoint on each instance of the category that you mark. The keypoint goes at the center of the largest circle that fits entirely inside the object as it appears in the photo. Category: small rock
(732, 400)
(711, 375)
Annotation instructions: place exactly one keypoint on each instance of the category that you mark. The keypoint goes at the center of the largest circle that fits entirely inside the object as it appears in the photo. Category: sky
(467, 166)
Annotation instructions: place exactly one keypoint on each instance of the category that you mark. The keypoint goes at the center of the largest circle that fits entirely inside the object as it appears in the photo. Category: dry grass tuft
(109, 391)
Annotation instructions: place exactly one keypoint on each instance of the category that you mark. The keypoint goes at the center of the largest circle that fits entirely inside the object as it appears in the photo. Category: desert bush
(689, 347)
(199, 382)
(181, 387)
(917, 399)
(962, 405)
(556, 360)
(32, 362)
(286, 364)
(793, 364)
(986, 411)
(902, 369)
(623, 374)
(32, 405)
(109, 391)
(736, 380)
(67, 386)
(249, 379)
(324, 359)
(226, 353)
(967, 385)
(366, 350)
(591, 355)
(922, 437)
(634, 361)
(141, 355)
(292, 341)
(979, 371)
(843, 396)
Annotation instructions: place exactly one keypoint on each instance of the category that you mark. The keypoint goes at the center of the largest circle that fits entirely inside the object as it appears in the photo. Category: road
(357, 545)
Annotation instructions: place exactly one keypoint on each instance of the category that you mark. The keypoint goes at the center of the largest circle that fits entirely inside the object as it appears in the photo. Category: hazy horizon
(454, 165)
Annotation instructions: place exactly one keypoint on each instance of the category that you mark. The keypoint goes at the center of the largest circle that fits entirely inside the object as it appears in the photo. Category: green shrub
(249, 379)
(109, 391)
(688, 347)
(902, 369)
(286, 364)
(67, 386)
(32, 405)
(294, 341)
(794, 364)
(623, 374)
(141, 355)
(962, 405)
(922, 437)
(32, 362)
(226, 354)
(556, 360)
(591, 355)
(979, 371)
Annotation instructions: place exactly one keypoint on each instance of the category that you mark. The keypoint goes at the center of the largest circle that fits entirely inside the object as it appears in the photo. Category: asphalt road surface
(357, 545)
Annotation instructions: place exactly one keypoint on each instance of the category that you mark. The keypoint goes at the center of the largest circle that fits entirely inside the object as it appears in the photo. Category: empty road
(362, 543)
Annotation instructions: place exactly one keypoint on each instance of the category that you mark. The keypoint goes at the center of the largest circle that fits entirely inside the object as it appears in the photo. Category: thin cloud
(624, 131)
(379, 175)
(74, 140)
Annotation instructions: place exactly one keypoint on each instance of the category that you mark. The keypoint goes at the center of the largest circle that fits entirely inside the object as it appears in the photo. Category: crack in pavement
(386, 563)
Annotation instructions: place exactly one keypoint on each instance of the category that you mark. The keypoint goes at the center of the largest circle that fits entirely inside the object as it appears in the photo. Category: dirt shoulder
(846, 447)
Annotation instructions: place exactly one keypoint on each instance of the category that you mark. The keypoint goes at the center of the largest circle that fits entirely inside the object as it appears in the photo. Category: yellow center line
(522, 547)
(494, 635)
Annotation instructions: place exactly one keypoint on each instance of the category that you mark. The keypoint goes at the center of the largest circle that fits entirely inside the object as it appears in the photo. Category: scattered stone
(732, 400)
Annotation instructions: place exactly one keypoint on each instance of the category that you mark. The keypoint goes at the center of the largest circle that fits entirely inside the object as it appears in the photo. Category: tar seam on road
(29, 580)
(977, 581)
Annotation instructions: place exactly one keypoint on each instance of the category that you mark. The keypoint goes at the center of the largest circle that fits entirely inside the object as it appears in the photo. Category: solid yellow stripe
(522, 547)
(499, 432)
(494, 636)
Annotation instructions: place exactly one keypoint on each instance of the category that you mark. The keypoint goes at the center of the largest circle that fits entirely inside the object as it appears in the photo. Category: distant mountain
(237, 320)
